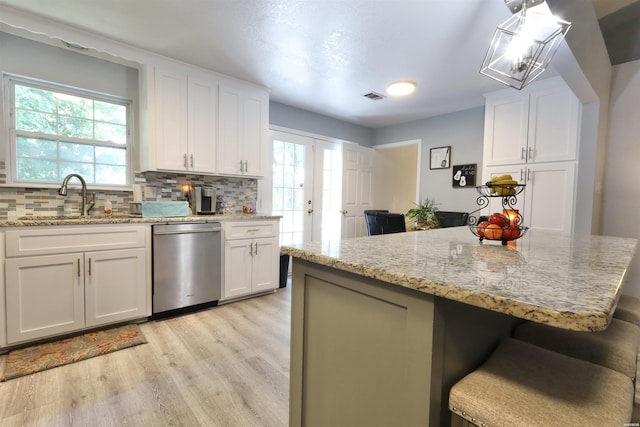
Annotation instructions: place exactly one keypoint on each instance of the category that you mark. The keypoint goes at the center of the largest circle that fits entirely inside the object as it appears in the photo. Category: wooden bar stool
(615, 348)
(628, 309)
(525, 385)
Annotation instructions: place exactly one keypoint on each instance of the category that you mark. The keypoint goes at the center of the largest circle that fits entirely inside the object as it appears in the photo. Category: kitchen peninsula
(383, 326)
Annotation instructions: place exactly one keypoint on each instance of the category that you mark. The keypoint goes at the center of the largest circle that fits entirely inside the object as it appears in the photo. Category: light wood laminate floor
(225, 366)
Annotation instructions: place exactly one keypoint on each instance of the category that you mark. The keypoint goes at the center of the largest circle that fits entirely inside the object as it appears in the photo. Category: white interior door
(357, 189)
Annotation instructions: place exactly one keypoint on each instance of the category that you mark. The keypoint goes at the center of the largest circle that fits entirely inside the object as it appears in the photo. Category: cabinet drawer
(250, 229)
(46, 241)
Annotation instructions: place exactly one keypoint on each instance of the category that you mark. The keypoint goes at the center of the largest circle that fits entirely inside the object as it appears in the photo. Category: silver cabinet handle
(530, 154)
(192, 161)
(528, 174)
(523, 153)
(241, 165)
(184, 160)
(246, 165)
(89, 267)
(521, 175)
(256, 250)
(78, 267)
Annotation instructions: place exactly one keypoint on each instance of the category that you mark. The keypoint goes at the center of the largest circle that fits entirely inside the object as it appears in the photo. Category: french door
(307, 187)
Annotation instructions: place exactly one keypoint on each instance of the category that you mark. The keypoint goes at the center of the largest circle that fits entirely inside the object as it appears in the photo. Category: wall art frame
(440, 158)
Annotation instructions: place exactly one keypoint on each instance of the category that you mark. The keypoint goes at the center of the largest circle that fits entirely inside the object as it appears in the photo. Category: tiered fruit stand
(509, 201)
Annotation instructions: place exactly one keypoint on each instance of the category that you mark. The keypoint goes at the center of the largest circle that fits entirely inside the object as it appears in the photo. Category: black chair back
(451, 219)
(384, 222)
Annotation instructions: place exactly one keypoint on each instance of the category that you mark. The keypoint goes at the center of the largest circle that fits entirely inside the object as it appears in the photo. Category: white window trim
(8, 80)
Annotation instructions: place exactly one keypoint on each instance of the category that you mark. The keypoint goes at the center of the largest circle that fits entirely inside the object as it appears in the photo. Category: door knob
(309, 211)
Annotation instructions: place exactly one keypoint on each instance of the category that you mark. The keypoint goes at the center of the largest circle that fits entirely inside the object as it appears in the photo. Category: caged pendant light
(523, 45)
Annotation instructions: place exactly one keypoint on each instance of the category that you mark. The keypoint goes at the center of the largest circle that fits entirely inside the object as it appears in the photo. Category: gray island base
(383, 326)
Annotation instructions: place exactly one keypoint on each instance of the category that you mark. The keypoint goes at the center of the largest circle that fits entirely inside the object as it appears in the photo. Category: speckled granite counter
(40, 221)
(389, 323)
(571, 283)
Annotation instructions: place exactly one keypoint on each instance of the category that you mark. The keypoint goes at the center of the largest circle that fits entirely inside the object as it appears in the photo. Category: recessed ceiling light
(401, 88)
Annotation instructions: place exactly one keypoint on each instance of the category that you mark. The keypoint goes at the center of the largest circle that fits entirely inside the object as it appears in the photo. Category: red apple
(481, 226)
(498, 219)
(511, 232)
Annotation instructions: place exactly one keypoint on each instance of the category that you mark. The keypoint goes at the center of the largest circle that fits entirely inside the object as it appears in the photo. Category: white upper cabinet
(243, 125)
(186, 107)
(533, 136)
(202, 124)
(540, 124)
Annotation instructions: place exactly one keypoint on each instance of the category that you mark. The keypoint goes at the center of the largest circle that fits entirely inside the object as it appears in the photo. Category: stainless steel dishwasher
(187, 265)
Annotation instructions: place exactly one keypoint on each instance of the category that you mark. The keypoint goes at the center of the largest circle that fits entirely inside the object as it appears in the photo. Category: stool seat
(615, 348)
(628, 309)
(525, 385)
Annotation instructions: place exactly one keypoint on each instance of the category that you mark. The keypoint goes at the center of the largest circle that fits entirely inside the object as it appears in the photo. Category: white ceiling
(318, 55)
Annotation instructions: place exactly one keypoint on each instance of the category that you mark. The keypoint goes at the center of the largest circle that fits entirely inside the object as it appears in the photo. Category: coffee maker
(203, 200)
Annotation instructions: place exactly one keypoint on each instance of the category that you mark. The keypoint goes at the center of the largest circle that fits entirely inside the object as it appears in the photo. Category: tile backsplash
(232, 192)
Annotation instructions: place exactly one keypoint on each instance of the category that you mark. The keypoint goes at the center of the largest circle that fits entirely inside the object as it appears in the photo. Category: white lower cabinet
(48, 295)
(45, 296)
(252, 254)
(113, 290)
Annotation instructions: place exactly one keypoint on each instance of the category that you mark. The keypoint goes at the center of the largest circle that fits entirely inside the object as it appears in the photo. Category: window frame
(10, 81)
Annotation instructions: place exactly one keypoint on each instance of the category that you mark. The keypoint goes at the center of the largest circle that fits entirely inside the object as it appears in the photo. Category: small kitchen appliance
(203, 200)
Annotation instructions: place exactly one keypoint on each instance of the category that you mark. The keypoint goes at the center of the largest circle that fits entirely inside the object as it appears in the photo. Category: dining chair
(451, 219)
(384, 222)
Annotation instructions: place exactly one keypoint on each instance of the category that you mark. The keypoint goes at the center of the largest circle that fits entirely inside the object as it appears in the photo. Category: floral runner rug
(26, 361)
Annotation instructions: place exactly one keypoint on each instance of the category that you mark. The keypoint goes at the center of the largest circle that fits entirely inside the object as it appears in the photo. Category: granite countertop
(563, 281)
(38, 221)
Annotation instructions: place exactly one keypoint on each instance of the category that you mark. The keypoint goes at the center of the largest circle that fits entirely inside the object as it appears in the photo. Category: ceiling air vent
(375, 96)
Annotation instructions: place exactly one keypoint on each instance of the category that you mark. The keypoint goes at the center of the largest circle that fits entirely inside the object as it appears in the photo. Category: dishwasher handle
(188, 228)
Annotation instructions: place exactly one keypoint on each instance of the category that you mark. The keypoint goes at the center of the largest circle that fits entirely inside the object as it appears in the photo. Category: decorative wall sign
(440, 158)
(464, 175)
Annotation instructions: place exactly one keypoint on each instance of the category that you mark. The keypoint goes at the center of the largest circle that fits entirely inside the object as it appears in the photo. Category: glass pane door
(328, 184)
(293, 186)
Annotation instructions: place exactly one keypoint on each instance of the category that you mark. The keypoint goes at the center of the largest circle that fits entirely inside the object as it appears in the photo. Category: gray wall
(40, 61)
(464, 132)
(295, 118)
(621, 193)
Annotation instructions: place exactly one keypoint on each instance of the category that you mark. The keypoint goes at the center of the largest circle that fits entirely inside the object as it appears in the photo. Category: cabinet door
(266, 264)
(255, 117)
(237, 268)
(553, 125)
(45, 296)
(229, 131)
(202, 119)
(171, 120)
(505, 130)
(243, 121)
(115, 286)
(549, 196)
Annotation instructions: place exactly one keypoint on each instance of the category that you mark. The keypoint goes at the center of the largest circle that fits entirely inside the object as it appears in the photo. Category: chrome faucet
(63, 192)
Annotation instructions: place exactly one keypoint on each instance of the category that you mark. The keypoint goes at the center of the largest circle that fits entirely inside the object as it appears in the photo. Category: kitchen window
(58, 130)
